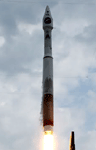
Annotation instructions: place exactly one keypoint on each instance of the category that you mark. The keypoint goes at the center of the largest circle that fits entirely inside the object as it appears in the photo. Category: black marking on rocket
(47, 36)
(48, 57)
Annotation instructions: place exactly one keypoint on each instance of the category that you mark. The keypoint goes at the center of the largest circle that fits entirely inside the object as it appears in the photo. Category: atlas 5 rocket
(47, 98)
(48, 115)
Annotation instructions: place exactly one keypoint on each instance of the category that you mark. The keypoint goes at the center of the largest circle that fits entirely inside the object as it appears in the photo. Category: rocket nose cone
(47, 8)
(47, 11)
(47, 19)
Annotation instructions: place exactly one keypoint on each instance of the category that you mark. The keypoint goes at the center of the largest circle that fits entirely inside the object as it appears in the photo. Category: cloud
(19, 112)
(67, 120)
(2, 41)
(87, 141)
(21, 65)
(92, 101)
(29, 28)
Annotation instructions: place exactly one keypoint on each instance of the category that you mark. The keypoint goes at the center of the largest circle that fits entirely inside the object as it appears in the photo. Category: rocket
(47, 109)
(72, 141)
(47, 98)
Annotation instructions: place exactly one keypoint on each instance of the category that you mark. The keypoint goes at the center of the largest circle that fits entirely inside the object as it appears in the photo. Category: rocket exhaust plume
(47, 99)
(48, 141)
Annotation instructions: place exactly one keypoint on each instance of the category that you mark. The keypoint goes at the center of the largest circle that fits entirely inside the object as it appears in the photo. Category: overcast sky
(21, 66)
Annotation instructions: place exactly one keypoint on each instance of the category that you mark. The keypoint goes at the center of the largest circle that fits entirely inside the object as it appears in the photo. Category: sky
(21, 72)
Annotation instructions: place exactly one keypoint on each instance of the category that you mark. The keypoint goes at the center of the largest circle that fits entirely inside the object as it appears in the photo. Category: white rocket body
(47, 73)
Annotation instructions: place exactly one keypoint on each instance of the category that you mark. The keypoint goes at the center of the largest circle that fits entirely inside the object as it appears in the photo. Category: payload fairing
(48, 115)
